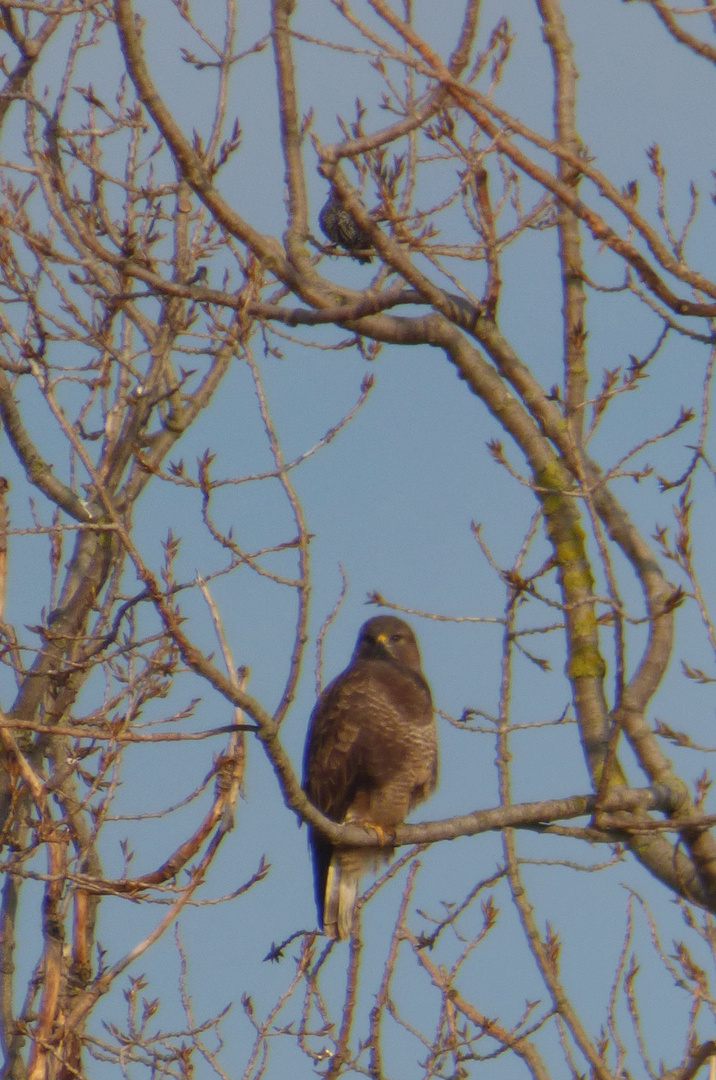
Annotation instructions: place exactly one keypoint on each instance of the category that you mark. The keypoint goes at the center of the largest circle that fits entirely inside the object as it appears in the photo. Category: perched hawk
(371, 756)
(342, 229)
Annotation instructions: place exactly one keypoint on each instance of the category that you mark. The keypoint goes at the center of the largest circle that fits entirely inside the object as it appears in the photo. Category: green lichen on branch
(574, 572)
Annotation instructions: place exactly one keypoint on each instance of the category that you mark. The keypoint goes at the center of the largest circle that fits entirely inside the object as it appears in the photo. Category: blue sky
(391, 500)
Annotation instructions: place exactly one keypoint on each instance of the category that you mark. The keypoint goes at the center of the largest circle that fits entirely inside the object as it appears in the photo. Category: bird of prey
(342, 229)
(371, 756)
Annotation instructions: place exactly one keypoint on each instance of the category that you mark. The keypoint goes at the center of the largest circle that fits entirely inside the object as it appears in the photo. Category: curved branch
(570, 255)
(294, 177)
(37, 470)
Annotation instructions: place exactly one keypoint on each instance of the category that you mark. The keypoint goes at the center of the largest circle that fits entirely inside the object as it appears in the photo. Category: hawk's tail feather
(342, 882)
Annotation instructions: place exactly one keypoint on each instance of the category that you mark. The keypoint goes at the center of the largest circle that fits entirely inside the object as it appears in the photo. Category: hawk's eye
(396, 637)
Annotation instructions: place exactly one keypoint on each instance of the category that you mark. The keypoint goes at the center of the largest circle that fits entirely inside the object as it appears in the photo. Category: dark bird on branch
(341, 228)
(200, 276)
(371, 756)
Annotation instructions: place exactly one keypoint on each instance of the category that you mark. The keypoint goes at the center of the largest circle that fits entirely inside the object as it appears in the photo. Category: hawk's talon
(385, 837)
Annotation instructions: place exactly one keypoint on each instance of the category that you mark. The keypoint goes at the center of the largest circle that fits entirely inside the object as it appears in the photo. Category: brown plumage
(371, 756)
(341, 228)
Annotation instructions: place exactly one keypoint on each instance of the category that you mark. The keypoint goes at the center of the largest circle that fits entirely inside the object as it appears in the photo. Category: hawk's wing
(331, 776)
(332, 763)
